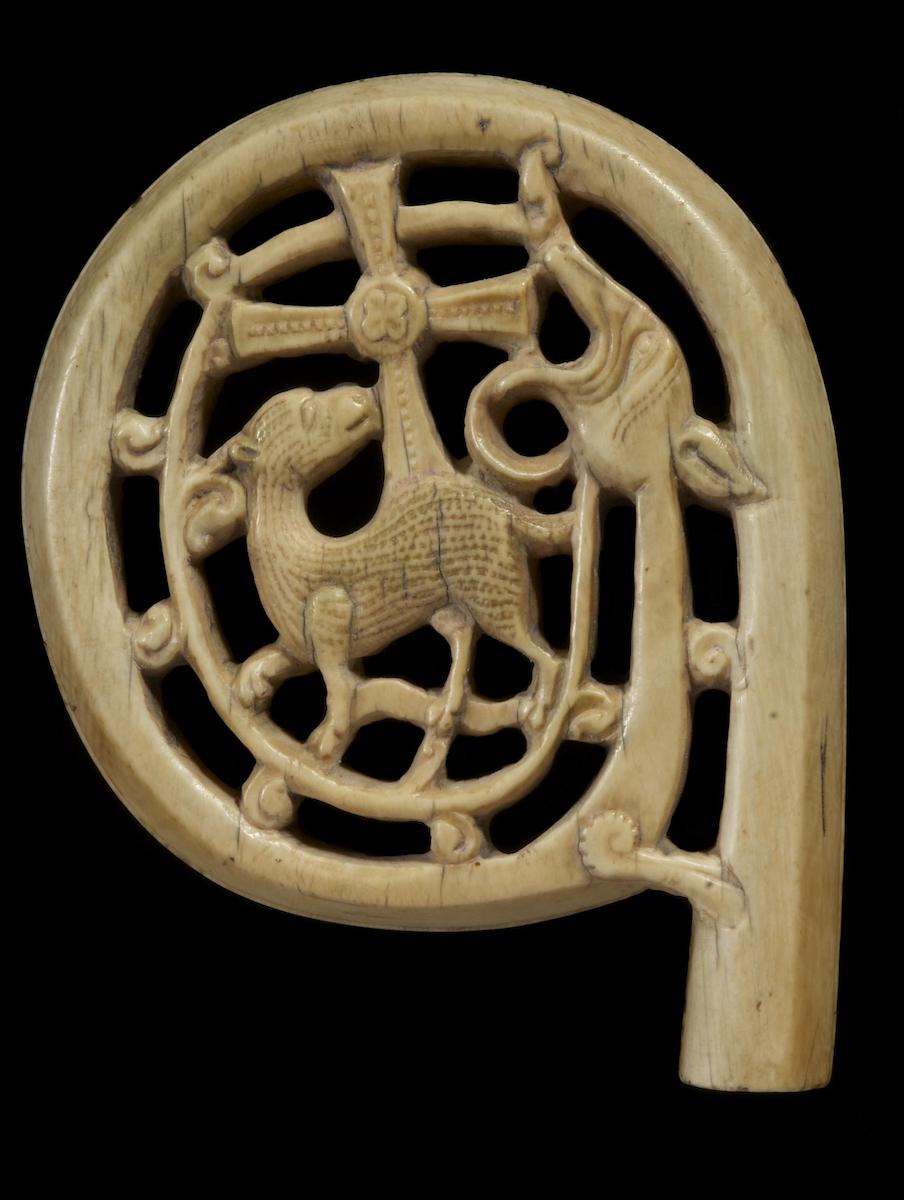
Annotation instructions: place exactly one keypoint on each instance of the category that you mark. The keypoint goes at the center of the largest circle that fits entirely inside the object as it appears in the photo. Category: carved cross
(394, 312)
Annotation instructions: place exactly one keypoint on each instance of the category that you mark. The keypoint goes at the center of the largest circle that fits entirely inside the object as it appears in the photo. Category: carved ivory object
(451, 542)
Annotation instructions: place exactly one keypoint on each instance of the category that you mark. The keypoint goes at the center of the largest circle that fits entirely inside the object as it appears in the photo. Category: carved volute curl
(266, 802)
(138, 443)
(157, 638)
(451, 544)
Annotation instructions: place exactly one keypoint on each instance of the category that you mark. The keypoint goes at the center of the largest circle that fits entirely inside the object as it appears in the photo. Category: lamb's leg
(457, 627)
(533, 710)
(514, 632)
(328, 619)
(511, 622)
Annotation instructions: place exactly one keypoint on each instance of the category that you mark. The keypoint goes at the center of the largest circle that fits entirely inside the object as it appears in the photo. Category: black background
(153, 975)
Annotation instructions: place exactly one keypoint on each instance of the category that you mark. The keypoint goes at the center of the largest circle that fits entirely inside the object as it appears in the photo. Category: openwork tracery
(447, 545)
(245, 459)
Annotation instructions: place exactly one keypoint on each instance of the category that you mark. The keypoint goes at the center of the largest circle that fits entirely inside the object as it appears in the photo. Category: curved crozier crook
(764, 950)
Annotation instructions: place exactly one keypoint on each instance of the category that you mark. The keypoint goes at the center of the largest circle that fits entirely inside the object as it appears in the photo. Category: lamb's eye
(308, 413)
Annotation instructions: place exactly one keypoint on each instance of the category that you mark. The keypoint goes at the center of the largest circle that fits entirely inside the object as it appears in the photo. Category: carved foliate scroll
(452, 542)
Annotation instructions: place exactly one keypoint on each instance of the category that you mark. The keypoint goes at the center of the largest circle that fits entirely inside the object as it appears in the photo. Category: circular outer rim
(771, 372)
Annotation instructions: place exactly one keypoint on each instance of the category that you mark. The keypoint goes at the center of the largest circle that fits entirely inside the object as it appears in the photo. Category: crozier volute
(453, 542)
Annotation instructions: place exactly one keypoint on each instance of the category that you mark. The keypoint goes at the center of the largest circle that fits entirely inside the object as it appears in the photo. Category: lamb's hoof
(253, 685)
(440, 719)
(532, 712)
(326, 740)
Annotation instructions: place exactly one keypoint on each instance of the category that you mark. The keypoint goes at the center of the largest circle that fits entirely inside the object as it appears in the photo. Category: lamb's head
(306, 434)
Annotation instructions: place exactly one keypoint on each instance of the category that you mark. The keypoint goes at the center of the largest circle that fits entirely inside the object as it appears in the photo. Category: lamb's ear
(242, 451)
(709, 462)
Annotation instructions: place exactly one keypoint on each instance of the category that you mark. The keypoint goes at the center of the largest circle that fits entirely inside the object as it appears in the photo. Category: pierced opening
(499, 671)
(326, 284)
(450, 374)
(299, 705)
(563, 335)
(488, 185)
(448, 265)
(554, 576)
(285, 214)
(534, 427)
(348, 498)
(629, 260)
(136, 501)
(198, 726)
(471, 757)
(695, 822)
(713, 560)
(166, 349)
(612, 658)
(574, 768)
(236, 601)
(334, 829)
(242, 394)
(384, 750)
(422, 657)
(555, 499)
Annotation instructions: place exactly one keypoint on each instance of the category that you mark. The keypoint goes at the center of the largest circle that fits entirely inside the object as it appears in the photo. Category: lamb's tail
(542, 533)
